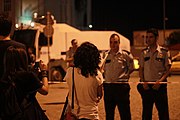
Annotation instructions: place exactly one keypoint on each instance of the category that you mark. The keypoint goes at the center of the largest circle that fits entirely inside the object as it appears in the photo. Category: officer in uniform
(154, 69)
(70, 52)
(118, 65)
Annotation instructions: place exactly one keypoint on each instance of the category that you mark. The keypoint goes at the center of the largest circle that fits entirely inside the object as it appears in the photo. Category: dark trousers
(151, 96)
(117, 95)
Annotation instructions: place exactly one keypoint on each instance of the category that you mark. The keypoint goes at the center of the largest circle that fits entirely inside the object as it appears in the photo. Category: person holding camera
(27, 83)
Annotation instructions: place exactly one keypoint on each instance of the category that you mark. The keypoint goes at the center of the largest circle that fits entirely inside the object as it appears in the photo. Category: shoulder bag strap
(74, 91)
(72, 104)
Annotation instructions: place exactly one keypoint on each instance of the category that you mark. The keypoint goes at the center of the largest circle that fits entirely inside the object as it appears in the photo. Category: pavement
(53, 103)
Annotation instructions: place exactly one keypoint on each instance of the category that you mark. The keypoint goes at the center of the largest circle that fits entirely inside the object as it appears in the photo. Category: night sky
(133, 15)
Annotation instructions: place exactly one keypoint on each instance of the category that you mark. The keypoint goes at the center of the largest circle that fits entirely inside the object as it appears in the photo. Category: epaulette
(106, 51)
(165, 49)
(126, 52)
(145, 49)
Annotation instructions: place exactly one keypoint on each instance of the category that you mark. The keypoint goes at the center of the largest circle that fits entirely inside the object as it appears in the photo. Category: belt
(119, 81)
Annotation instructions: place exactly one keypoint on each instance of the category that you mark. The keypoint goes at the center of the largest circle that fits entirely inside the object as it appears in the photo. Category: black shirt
(27, 83)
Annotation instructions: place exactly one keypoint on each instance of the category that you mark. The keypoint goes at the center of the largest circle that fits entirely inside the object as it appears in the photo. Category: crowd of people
(94, 77)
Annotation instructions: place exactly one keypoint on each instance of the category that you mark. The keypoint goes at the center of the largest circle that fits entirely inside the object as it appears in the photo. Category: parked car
(175, 68)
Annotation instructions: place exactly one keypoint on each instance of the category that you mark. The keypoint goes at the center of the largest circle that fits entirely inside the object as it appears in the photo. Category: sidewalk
(53, 103)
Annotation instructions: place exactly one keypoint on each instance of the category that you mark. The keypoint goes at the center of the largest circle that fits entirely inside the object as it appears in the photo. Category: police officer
(70, 52)
(117, 69)
(154, 69)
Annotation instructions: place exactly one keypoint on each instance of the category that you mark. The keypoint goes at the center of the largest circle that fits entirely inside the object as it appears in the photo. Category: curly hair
(153, 31)
(87, 58)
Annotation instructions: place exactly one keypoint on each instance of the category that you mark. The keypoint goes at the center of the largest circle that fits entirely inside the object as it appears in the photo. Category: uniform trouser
(117, 95)
(151, 96)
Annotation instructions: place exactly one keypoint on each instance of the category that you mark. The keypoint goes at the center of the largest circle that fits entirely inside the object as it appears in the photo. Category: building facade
(76, 13)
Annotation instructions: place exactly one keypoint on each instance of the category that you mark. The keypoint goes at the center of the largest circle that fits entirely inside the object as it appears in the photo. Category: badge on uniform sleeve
(169, 60)
(160, 55)
(169, 57)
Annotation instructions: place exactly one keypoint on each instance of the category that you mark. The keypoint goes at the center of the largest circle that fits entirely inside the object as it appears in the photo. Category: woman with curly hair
(87, 81)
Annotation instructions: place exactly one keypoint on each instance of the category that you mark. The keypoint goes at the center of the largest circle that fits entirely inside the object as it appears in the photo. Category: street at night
(47, 28)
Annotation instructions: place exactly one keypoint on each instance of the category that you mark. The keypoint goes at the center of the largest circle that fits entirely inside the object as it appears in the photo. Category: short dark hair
(153, 31)
(72, 41)
(113, 35)
(5, 25)
(87, 58)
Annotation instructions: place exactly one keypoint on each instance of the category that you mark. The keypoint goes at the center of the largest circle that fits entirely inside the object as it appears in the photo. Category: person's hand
(156, 86)
(126, 76)
(71, 64)
(98, 99)
(145, 86)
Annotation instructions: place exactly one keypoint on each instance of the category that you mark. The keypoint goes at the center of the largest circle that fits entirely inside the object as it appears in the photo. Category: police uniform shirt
(154, 64)
(117, 66)
(70, 53)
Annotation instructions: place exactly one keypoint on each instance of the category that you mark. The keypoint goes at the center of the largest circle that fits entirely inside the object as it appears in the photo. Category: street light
(90, 26)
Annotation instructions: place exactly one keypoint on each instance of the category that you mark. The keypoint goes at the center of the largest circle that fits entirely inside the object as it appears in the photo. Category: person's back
(86, 93)
(5, 40)
(87, 81)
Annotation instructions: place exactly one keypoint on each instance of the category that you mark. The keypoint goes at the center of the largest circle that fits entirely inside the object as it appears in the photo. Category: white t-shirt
(86, 91)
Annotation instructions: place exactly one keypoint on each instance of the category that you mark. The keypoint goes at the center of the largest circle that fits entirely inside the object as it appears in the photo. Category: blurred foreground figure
(5, 40)
(26, 85)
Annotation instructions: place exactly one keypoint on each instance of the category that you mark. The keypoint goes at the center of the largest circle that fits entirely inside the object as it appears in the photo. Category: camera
(36, 65)
(37, 69)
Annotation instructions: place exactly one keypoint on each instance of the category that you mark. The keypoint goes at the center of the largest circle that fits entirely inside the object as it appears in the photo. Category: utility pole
(48, 32)
(164, 20)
